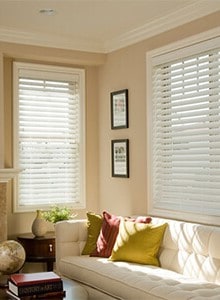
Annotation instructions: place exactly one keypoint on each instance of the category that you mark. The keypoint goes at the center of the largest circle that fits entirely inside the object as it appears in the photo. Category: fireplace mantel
(5, 176)
(8, 174)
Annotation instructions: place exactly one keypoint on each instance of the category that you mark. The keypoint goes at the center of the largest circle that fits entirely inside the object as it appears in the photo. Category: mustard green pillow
(94, 224)
(138, 243)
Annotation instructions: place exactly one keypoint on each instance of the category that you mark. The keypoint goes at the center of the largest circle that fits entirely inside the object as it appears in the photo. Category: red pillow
(139, 219)
(107, 236)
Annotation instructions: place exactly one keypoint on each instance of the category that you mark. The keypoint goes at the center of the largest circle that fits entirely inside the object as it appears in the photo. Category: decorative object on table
(119, 109)
(57, 214)
(36, 284)
(120, 158)
(12, 257)
(39, 226)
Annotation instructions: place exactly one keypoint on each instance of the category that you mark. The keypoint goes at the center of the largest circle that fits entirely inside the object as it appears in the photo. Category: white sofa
(189, 258)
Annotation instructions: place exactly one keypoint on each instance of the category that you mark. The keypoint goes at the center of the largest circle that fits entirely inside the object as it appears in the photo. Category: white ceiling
(95, 25)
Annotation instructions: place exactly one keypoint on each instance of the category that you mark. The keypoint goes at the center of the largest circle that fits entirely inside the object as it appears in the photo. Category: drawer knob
(50, 247)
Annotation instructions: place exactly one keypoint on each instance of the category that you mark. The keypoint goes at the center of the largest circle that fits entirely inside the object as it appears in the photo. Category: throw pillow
(107, 236)
(94, 224)
(138, 243)
(139, 219)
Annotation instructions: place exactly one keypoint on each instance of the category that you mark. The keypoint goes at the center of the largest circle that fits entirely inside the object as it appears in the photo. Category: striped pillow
(107, 236)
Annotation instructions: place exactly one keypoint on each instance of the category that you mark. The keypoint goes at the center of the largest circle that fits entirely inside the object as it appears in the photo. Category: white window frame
(59, 73)
(185, 47)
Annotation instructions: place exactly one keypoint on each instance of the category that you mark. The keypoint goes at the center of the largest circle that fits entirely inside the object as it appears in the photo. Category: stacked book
(42, 285)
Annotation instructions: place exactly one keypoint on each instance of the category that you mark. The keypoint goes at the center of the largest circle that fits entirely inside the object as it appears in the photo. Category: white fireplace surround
(5, 176)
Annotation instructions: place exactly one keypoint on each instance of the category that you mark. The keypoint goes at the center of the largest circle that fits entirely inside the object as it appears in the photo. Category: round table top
(30, 236)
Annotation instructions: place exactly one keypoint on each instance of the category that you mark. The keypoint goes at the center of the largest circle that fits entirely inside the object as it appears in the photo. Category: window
(48, 136)
(184, 132)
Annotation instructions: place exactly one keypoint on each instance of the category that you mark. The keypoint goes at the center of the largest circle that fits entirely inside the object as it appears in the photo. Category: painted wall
(126, 68)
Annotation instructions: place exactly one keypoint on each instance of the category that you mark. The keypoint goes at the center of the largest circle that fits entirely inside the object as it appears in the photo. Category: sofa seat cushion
(131, 281)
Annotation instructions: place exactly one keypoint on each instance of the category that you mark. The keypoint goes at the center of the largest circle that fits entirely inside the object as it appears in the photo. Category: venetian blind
(186, 132)
(49, 136)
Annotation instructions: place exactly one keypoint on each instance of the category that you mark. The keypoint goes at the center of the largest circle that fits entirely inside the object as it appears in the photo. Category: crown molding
(192, 12)
(47, 40)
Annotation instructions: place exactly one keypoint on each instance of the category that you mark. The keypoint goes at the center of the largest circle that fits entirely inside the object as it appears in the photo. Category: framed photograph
(119, 109)
(120, 158)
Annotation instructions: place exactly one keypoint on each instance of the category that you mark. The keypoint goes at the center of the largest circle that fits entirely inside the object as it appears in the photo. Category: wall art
(119, 109)
(120, 158)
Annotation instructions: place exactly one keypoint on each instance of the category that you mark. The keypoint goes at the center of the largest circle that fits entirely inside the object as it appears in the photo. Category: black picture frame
(119, 109)
(120, 158)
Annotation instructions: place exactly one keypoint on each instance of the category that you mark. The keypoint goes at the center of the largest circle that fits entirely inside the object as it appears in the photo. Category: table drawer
(39, 248)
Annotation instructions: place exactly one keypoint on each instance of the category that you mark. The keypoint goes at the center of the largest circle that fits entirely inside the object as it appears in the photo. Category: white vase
(39, 226)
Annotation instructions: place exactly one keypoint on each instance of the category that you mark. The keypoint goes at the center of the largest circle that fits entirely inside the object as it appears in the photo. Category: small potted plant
(57, 213)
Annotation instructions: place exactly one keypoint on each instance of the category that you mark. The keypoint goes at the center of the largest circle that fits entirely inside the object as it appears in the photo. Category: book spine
(54, 295)
(40, 288)
(51, 295)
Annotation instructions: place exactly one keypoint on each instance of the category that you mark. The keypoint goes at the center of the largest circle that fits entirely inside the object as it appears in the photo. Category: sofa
(189, 264)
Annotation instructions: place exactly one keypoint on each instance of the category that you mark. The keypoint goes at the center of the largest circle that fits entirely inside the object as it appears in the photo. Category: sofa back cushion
(191, 249)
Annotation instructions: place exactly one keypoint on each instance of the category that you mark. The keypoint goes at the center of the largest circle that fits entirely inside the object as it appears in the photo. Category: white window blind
(185, 133)
(49, 134)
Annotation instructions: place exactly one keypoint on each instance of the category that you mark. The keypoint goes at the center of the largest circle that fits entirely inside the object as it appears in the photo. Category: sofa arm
(70, 239)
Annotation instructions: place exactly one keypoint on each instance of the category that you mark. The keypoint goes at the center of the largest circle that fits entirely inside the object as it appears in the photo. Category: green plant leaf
(57, 214)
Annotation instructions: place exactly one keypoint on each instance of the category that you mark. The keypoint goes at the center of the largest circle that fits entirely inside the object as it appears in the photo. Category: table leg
(49, 266)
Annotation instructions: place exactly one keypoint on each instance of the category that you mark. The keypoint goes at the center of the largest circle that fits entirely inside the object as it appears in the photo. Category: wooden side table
(39, 249)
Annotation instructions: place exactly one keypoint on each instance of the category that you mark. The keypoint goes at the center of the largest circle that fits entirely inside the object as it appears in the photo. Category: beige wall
(126, 68)
(21, 222)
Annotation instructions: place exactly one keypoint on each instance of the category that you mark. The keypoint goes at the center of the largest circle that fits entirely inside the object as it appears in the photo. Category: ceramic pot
(39, 226)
